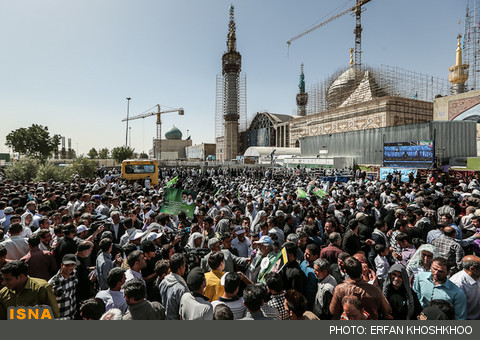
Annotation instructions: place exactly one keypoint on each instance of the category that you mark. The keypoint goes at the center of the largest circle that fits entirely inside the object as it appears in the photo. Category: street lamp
(130, 137)
(126, 131)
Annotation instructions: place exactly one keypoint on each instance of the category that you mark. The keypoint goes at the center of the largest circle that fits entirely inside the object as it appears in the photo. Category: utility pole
(126, 131)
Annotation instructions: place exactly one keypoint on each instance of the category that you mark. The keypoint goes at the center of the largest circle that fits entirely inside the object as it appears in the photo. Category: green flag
(172, 182)
(319, 192)
(301, 193)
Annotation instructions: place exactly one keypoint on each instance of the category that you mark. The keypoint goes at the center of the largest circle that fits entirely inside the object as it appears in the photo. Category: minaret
(459, 72)
(231, 66)
(302, 96)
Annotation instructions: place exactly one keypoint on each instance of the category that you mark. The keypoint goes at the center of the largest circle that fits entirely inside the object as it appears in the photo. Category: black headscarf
(388, 288)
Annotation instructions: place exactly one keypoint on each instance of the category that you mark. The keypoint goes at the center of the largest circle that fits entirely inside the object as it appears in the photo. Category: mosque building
(173, 146)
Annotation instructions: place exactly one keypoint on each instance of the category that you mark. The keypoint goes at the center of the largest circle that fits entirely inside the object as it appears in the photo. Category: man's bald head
(449, 231)
(471, 265)
(471, 258)
(360, 257)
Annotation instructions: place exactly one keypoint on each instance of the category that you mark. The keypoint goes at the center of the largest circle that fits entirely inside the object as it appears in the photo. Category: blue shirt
(5, 222)
(311, 284)
(433, 234)
(103, 266)
(458, 231)
(113, 299)
(427, 291)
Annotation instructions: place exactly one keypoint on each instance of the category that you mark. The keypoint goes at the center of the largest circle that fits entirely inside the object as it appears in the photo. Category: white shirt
(113, 299)
(17, 247)
(471, 288)
(131, 274)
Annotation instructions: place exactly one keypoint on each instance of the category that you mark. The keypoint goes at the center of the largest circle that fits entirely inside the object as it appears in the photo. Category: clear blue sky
(70, 64)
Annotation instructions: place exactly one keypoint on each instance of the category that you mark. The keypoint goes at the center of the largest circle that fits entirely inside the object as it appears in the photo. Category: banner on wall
(413, 154)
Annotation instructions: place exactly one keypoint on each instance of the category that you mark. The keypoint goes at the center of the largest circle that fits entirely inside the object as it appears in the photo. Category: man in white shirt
(468, 281)
(17, 246)
(466, 224)
(136, 261)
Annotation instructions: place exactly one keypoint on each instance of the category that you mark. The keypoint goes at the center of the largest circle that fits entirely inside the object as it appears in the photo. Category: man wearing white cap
(264, 258)
(82, 232)
(241, 243)
(136, 238)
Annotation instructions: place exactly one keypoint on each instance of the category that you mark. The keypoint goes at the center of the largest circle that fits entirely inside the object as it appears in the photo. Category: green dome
(173, 133)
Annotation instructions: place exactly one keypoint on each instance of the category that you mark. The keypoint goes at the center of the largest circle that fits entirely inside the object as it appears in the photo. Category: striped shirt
(235, 304)
(65, 292)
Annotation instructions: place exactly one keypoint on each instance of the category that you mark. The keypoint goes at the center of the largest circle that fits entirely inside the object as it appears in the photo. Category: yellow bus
(135, 169)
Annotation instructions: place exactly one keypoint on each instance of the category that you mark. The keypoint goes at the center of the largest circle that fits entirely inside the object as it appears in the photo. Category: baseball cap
(69, 259)
(152, 236)
(69, 228)
(264, 240)
(135, 236)
(81, 229)
(195, 277)
(239, 230)
(360, 216)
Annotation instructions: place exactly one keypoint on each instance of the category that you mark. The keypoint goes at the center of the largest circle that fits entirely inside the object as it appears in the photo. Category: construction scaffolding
(471, 44)
(220, 104)
(345, 87)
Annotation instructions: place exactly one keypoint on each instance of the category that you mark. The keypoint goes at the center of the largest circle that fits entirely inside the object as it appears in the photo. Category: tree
(50, 171)
(34, 142)
(119, 154)
(103, 153)
(84, 167)
(143, 155)
(92, 153)
(23, 170)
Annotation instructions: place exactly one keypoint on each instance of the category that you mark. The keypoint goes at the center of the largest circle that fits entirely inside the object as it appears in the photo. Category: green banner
(177, 200)
(172, 182)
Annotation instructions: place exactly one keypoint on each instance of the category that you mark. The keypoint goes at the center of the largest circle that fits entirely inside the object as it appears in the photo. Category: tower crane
(158, 113)
(357, 9)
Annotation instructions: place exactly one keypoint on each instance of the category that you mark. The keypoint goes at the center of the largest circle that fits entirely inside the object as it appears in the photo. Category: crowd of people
(262, 244)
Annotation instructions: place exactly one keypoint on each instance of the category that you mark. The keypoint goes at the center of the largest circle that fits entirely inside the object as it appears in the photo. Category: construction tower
(231, 67)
